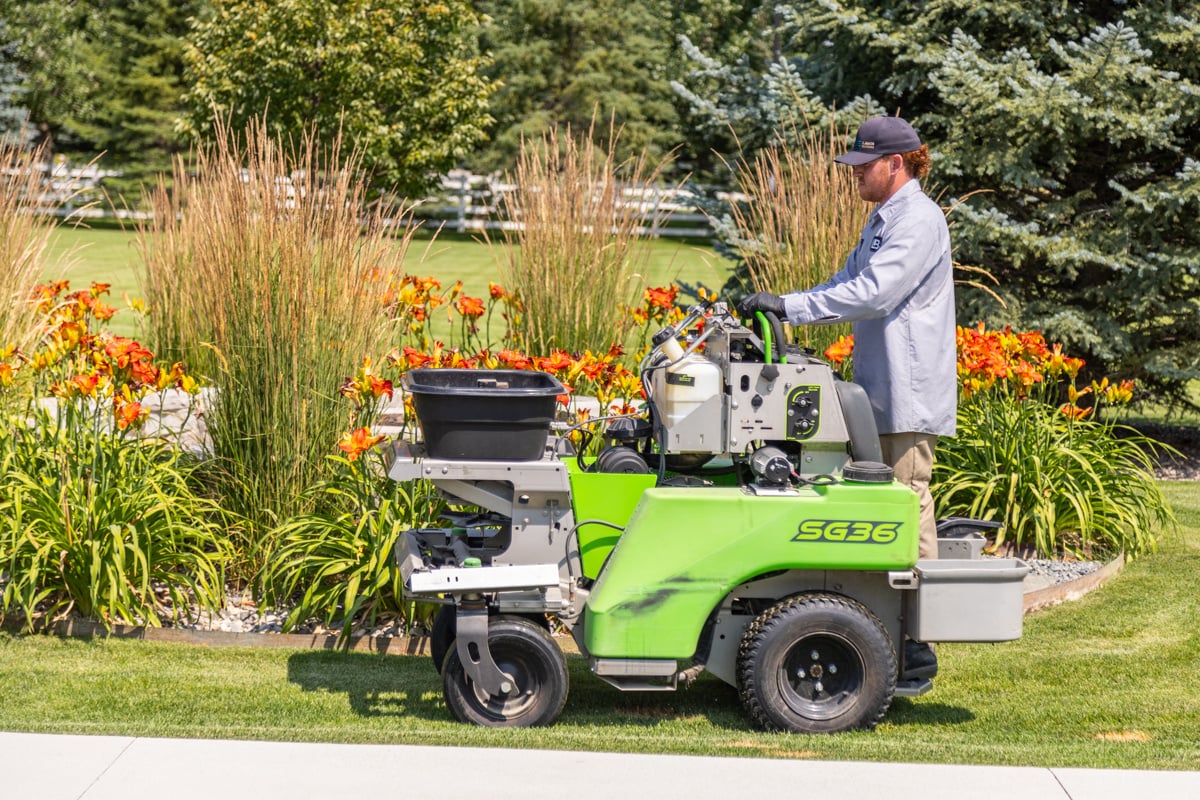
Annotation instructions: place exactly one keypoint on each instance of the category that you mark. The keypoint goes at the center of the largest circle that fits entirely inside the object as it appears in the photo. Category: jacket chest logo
(876, 243)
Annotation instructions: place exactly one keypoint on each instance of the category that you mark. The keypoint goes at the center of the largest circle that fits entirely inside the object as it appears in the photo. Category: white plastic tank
(690, 381)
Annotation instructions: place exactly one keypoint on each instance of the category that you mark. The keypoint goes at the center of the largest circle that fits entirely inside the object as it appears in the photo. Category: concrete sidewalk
(45, 767)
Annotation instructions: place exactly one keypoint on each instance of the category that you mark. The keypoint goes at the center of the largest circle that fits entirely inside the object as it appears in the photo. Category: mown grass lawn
(1110, 680)
(110, 255)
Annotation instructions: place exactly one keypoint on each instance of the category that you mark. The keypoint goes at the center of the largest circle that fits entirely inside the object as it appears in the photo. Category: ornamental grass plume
(269, 271)
(801, 217)
(576, 256)
(24, 236)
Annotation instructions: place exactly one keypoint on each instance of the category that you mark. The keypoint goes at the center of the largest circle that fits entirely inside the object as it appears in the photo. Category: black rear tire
(816, 663)
(441, 635)
(529, 655)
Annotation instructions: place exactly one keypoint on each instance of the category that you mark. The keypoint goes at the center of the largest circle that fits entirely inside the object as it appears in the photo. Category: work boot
(920, 662)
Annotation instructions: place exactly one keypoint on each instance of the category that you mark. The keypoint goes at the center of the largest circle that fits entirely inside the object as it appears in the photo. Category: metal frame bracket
(471, 642)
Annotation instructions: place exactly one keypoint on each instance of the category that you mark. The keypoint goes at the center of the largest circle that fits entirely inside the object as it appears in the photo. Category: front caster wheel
(818, 663)
(526, 653)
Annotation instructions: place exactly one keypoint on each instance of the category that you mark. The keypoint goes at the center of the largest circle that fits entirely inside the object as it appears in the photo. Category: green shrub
(103, 523)
(1060, 478)
(339, 564)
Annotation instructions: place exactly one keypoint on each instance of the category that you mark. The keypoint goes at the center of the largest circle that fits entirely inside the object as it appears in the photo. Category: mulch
(1183, 466)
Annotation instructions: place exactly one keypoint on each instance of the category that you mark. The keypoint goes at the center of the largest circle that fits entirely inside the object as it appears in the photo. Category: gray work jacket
(897, 288)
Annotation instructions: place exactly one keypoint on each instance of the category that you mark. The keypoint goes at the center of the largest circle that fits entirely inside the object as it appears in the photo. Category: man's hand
(762, 301)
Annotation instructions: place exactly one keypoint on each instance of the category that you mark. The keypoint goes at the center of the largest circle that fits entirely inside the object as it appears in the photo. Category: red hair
(916, 162)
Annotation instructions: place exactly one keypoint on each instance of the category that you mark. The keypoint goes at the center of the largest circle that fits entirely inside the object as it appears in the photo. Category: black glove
(762, 301)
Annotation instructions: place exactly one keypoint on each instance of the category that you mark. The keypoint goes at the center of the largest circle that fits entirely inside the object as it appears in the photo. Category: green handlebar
(765, 327)
(768, 343)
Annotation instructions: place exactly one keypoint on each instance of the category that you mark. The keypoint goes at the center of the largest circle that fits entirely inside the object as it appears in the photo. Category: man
(897, 288)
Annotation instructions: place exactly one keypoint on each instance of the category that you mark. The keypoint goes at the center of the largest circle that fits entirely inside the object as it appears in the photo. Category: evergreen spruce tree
(572, 62)
(137, 107)
(569, 61)
(1071, 129)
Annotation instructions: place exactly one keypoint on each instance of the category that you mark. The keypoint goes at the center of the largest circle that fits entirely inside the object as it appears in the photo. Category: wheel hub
(819, 677)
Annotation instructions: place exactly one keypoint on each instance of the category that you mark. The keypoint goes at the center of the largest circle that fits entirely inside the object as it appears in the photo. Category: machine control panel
(803, 412)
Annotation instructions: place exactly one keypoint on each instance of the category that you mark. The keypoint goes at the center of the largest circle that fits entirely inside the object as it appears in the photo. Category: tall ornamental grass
(801, 217)
(268, 271)
(575, 256)
(24, 236)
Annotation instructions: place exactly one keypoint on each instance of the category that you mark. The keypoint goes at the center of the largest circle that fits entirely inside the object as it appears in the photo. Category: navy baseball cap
(881, 136)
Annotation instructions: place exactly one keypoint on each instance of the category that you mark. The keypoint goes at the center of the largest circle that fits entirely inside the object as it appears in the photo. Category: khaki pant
(910, 455)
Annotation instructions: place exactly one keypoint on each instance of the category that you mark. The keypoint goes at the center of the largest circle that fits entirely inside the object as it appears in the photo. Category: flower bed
(110, 517)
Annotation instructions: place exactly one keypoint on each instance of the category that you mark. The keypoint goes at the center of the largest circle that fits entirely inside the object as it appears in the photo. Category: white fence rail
(469, 202)
(464, 203)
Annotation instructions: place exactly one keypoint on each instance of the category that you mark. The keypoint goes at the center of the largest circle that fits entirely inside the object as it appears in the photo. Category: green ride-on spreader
(744, 526)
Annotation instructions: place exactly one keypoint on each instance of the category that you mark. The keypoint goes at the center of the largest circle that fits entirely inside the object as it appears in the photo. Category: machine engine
(719, 392)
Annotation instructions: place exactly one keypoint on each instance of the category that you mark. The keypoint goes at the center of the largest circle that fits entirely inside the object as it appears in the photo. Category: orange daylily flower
(69, 335)
(1074, 411)
(411, 358)
(144, 372)
(1026, 374)
(661, 297)
(358, 441)
(172, 377)
(379, 387)
(125, 351)
(471, 307)
(129, 414)
(86, 384)
(513, 359)
(840, 350)
(1119, 394)
(557, 361)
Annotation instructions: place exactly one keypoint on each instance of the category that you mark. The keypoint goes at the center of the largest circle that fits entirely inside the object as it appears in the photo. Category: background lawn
(1106, 681)
(111, 255)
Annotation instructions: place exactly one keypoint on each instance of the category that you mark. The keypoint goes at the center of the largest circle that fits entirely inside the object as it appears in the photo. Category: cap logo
(859, 144)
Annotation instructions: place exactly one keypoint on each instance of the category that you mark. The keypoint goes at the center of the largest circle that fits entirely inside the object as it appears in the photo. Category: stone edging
(86, 629)
(1035, 600)
(1074, 589)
